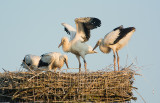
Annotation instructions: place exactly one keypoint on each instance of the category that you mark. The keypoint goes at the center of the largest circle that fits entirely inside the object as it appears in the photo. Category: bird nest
(107, 86)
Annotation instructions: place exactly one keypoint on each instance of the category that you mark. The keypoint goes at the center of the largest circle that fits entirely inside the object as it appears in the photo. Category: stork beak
(66, 64)
(60, 44)
(95, 46)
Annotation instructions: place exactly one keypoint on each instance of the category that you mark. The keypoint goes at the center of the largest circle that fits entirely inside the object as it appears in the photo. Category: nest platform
(100, 86)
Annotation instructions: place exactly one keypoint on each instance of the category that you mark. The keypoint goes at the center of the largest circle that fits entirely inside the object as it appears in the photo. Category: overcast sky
(34, 27)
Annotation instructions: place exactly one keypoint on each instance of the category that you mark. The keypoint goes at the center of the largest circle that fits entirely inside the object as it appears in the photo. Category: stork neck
(79, 27)
(102, 48)
(61, 61)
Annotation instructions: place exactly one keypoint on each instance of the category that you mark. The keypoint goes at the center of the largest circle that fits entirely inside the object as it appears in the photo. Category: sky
(34, 27)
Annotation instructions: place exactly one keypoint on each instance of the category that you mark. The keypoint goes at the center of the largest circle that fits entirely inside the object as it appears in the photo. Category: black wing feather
(120, 27)
(93, 23)
(67, 31)
(41, 64)
(89, 24)
(87, 32)
(123, 33)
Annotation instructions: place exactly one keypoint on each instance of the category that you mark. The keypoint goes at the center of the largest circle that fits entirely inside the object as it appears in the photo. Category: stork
(115, 40)
(30, 62)
(78, 37)
(53, 60)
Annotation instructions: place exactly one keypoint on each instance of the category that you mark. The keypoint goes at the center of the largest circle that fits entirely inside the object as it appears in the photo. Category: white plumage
(115, 40)
(70, 30)
(30, 62)
(53, 60)
(77, 44)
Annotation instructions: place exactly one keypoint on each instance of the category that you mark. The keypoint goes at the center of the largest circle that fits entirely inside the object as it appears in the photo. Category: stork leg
(85, 63)
(118, 60)
(114, 56)
(78, 57)
(85, 66)
(50, 67)
(55, 69)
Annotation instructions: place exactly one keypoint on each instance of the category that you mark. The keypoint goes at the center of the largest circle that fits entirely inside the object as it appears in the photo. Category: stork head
(63, 40)
(98, 43)
(66, 60)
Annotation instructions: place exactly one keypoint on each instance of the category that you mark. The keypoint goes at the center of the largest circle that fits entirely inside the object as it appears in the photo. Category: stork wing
(70, 30)
(112, 36)
(84, 25)
(123, 33)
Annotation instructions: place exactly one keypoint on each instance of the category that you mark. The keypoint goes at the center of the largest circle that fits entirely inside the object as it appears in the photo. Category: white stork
(78, 37)
(53, 60)
(115, 40)
(30, 62)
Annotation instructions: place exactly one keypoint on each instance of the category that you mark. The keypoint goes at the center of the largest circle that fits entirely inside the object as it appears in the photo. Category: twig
(5, 70)
(28, 67)
(35, 75)
(140, 95)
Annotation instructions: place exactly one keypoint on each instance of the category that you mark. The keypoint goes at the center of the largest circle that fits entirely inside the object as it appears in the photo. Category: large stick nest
(107, 86)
